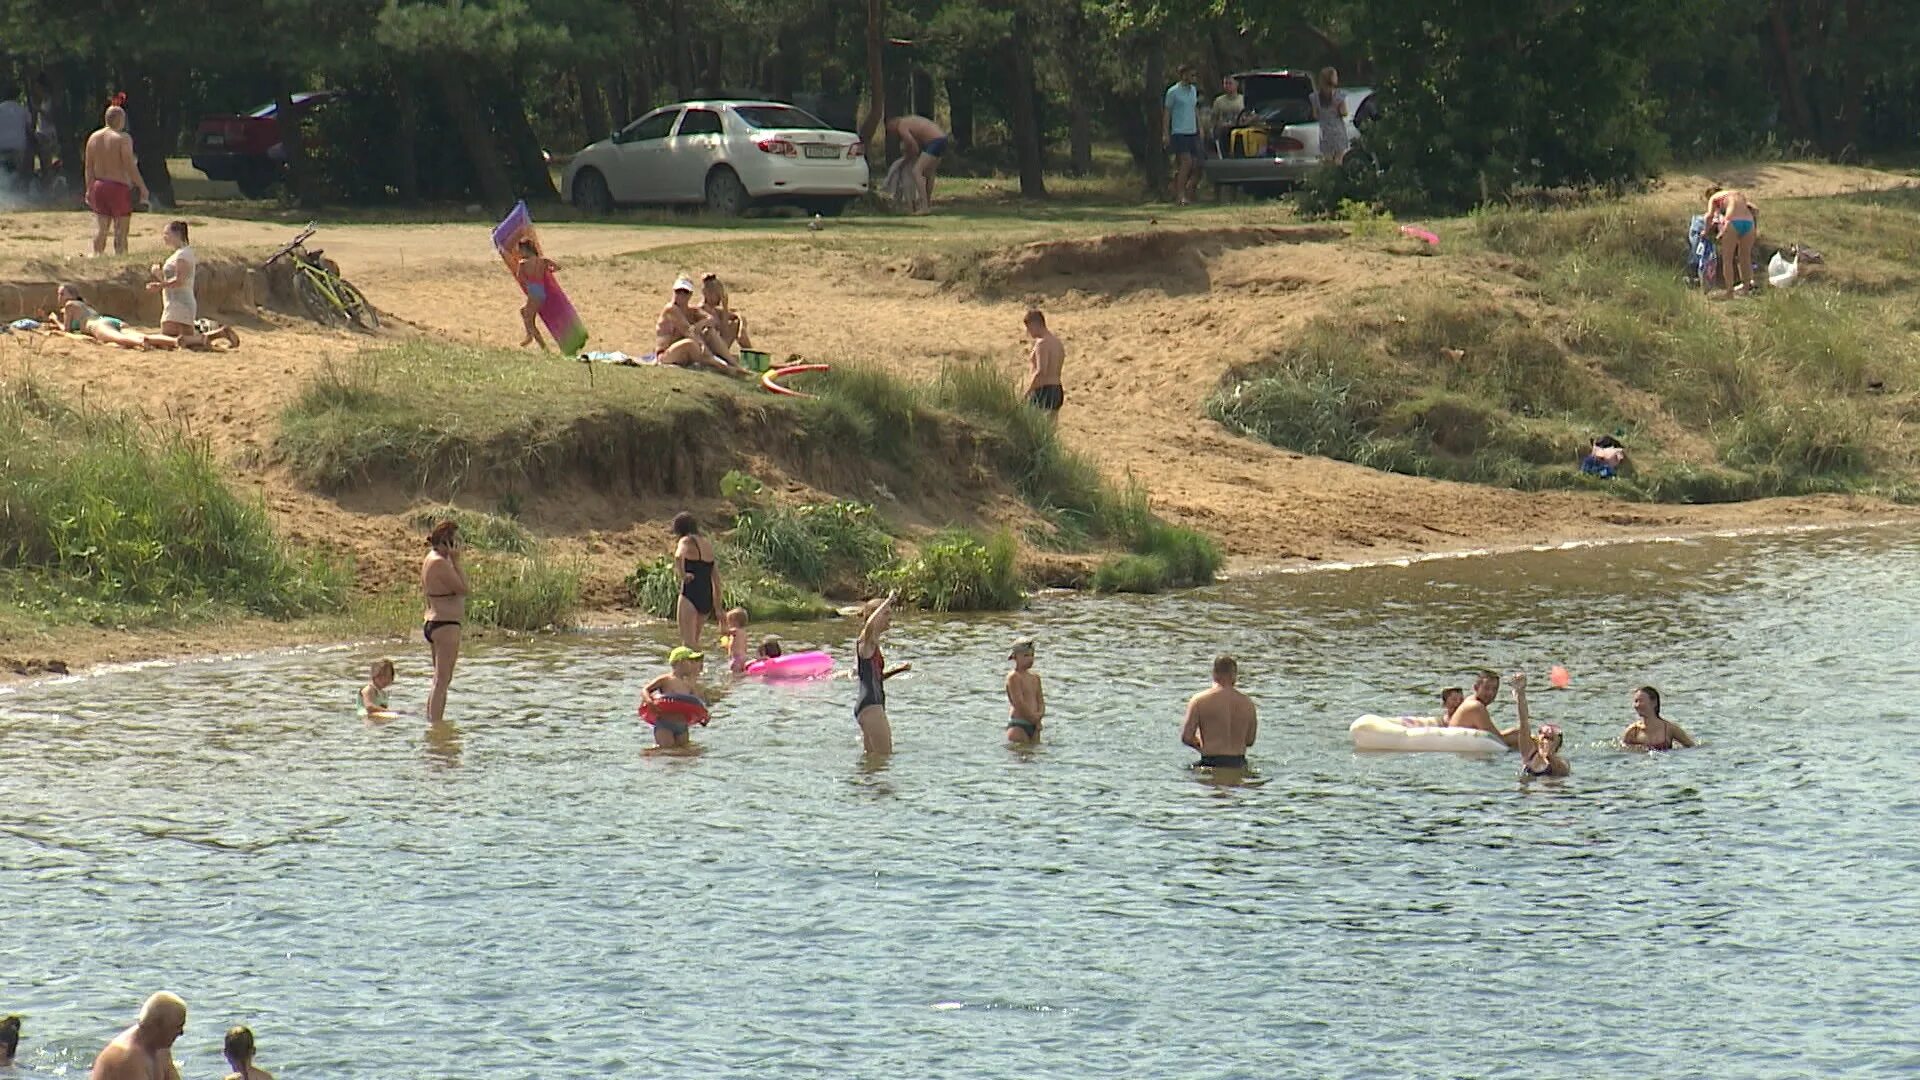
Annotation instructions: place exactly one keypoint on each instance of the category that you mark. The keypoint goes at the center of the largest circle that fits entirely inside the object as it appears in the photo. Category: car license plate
(216, 140)
(821, 150)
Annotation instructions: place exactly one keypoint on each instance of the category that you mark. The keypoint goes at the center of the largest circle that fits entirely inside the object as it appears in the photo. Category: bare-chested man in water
(923, 143)
(1472, 712)
(1221, 721)
(113, 181)
(1045, 357)
(145, 1050)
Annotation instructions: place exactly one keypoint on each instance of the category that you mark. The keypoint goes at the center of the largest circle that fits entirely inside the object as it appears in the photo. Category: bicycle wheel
(320, 307)
(359, 312)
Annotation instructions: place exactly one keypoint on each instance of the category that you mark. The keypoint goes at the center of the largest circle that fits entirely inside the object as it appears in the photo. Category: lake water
(537, 899)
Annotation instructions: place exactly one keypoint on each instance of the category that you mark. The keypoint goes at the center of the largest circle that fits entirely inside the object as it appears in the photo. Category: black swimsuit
(427, 628)
(870, 671)
(698, 589)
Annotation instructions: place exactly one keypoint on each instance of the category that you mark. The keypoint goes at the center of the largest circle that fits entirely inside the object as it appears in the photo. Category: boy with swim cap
(671, 729)
(1026, 701)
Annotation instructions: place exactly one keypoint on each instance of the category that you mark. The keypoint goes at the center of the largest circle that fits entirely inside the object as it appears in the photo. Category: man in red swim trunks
(113, 181)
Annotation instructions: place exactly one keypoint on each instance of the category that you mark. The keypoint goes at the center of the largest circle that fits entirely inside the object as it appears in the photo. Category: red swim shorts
(110, 198)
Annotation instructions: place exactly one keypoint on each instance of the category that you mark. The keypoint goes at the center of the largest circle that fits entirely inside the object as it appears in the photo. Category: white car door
(638, 173)
(693, 150)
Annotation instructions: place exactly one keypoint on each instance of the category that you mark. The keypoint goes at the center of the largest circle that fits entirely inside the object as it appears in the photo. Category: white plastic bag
(1781, 272)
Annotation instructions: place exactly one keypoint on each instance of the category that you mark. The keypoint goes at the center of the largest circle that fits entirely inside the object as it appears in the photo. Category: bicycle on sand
(327, 296)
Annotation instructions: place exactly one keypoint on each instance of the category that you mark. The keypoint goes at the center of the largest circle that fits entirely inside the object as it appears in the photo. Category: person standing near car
(1182, 130)
(16, 138)
(1228, 108)
(924, 144)
(112, 180)
(1330, 109)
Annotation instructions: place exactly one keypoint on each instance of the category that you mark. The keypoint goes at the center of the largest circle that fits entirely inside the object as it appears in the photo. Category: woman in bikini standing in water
(693, 564)
(445, 585)
(1651, 731)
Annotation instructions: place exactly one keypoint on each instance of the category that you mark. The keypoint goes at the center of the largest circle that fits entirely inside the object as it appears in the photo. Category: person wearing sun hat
(679, 338)
(672, 702)
(1026, 701)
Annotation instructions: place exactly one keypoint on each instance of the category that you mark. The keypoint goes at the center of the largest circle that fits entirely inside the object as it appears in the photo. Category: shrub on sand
(958, 571)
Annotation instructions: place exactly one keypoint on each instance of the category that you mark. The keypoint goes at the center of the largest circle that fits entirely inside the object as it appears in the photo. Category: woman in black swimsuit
(445, 586)
(1650, 730)
(693, 559)
(1539, 755)
(871, 674)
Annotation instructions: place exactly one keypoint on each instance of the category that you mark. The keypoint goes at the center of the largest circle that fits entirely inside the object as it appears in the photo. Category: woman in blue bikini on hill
(445, 586)
(693, 564)
(1738, 222)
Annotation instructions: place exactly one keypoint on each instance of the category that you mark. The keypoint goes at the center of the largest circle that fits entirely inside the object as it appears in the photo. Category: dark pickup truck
(247, 149)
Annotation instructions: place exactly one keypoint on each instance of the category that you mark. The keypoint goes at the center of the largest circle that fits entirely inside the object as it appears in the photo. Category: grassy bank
(106, 520)
(1583, 326)
(449, 419)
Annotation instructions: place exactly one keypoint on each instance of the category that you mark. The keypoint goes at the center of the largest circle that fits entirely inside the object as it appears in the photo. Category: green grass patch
(957, 570)
(524, 592)
(655, 589)
(104, 519)
(478, 529)
(1791, 392)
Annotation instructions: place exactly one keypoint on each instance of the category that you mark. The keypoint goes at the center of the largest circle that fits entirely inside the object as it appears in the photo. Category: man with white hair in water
(145, 1050)
(113, 181)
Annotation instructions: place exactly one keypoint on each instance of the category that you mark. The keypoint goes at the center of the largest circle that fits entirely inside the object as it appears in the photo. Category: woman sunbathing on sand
(76, 316)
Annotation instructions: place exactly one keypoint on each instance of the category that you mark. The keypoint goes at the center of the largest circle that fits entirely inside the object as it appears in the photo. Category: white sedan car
(727, 155)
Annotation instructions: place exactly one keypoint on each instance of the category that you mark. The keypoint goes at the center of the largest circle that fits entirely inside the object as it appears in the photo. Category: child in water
(532, 273)
(735, 639)
(1450, 699)
(671, 729)
(1026, 701)
(770, 648)
(373, 696)
(1539, 754)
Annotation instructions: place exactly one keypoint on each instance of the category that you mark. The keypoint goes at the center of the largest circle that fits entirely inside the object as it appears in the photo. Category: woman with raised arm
(1539, 754)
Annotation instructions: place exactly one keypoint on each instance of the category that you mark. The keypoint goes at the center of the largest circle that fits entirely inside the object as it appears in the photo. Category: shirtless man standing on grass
(112, 181)
(1472, 712)
(923, 143)
(145, 1050)
(1221, 721)
(1045, 357)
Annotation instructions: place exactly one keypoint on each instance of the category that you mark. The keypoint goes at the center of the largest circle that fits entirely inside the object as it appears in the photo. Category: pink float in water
(800, 665)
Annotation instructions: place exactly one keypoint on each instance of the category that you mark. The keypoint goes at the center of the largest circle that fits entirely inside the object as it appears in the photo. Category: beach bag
(1703, 256)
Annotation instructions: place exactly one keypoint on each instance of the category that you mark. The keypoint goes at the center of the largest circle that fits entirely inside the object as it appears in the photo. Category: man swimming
(1026, 701)
(1221, 721)
(145, 1050)
(1472, 711)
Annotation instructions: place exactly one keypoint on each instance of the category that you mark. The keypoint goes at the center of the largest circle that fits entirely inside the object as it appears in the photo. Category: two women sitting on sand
(75, 316)
(706, 336)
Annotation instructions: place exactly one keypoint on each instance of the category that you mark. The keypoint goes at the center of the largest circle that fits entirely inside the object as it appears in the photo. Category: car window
(780, 116)
(1279, 99)
(1368, 111)
(700, 122)
(655, 126)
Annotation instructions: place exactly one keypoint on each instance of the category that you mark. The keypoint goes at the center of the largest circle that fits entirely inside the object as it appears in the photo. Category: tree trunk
(923, 93)
(294, 142)
(451, 77)
(716, 66)
(406, 150)
(1148, 146)
(1026, 121)
(531, 174)
(680, 49)
(1791, 88)
(1079, 97)
(1853, 77)
(876, 70)
(960, 115)
(153, 118)
(593, 106)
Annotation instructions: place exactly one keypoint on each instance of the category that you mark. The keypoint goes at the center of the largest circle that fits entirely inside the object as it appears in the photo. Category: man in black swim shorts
(1046, 356)
(1221, 721)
